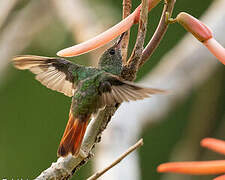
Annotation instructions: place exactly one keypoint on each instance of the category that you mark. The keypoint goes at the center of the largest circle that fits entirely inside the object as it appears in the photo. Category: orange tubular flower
(202, 33)
(108, 35)
(200, 167)
(214, 144)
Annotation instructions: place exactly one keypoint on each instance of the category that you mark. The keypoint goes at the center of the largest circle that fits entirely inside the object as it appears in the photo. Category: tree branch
(125, 42)
(131, 68)
(159, 33)
(131, 149)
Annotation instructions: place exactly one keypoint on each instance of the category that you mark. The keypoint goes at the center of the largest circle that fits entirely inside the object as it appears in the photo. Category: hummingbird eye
(112, 52)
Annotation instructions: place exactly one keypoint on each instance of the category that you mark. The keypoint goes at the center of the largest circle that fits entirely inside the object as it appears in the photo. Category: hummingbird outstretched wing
(54, 73)
(120, 91)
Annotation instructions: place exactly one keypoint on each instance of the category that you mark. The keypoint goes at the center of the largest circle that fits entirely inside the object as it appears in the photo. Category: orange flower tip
(214, 144)
(172, 167)
(194, 26)
(71, 51)
(137, 14)
(101, 39)
(220, 177)
(151, 4)
(194, 167)
(162, 168)
(206, 141)
(106, 36)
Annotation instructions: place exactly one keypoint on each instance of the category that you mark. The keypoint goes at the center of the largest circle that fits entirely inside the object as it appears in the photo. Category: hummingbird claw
(83, 154)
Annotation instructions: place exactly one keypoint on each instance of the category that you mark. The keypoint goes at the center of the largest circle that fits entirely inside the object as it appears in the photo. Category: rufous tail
(73, 135)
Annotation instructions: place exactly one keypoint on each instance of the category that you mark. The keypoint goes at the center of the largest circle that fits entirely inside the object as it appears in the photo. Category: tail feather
(73, 136)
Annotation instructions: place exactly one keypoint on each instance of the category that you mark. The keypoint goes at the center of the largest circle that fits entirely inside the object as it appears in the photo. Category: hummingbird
(91, 89)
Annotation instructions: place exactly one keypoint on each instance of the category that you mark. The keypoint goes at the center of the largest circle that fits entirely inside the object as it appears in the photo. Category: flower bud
(194, 26)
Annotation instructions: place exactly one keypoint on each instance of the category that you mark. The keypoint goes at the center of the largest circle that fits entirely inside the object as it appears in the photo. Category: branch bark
(127, 4)
(131, 67)
(159, 33)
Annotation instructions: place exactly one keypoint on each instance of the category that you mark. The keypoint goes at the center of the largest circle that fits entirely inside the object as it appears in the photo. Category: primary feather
(53, 73)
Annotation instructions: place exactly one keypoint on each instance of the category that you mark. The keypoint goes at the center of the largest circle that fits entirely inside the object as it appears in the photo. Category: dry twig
(131, 149)
(131, 68)
(159, 33)
(125, 42)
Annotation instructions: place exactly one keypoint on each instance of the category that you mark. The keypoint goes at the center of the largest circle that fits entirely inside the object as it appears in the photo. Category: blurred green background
(33, 117)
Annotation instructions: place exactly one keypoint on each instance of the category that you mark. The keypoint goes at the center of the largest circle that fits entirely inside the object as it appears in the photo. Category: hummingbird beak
(118, 43)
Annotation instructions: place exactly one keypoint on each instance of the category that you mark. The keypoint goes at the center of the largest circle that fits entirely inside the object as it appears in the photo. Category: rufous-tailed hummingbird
(90, 88)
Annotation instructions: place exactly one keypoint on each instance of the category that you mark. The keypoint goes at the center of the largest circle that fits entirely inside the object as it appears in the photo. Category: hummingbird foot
(83, 153)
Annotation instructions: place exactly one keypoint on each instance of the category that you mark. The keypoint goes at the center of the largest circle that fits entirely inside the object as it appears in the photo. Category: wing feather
(117, 95)
(53, 73)
(124, 91)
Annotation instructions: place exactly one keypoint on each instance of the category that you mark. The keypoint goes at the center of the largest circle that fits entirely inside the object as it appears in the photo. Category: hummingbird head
(111, 59)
